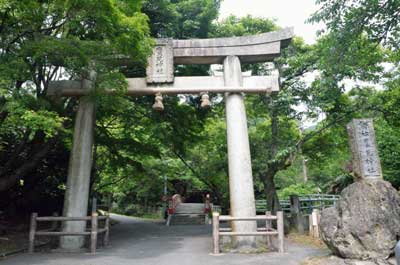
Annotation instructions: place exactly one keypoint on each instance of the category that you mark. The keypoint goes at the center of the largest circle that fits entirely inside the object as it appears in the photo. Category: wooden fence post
(280, 229)
(268, 227)
(215, 232)
(295, 211)
(54, 224)
(94, 205)
(314, 220)
(107, 233)
(316, 223)
(32, 231)
(93, 234)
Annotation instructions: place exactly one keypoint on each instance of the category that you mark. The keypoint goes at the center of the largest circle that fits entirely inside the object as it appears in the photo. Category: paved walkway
(139, 242)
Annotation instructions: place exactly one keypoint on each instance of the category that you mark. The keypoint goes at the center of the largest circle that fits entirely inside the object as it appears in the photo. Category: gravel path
(134, 241)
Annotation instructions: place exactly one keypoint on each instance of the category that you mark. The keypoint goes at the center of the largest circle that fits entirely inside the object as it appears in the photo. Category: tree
(379, 21)
(378, 24)
(374, 22)
(279, 115)
(181, 19)
(137, 146)
(46, 41)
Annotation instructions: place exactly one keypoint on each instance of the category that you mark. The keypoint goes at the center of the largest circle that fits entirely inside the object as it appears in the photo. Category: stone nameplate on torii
(160, 67)
(366, 163)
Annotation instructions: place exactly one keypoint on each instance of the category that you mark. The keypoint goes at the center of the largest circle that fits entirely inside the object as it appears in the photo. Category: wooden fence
(267, 231)
(307, 203)
(314, 224)
(302, 210)
(105, 206)
(93, 231)
(216, 208)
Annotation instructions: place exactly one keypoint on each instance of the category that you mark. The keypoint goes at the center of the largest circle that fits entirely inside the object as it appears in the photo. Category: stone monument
(366, 164)
(365, 222)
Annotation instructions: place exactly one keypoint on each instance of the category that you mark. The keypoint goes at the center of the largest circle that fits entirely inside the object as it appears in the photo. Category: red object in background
(207, 206)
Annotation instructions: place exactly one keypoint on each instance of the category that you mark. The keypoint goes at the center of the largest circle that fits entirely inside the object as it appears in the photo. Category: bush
(298, 189)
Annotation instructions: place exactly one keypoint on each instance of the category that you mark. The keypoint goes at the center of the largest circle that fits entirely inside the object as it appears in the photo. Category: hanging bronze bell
(205, 101)
(158, 104)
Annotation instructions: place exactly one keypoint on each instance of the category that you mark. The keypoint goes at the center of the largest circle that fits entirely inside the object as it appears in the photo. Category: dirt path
(139, 242)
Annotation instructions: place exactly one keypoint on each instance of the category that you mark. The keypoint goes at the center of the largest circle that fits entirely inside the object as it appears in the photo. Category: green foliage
(387, 102)
(43, 41)
(389, 150)
(181, 19)
(379, 20)
(248, 25)
(298, 189)
(327, 163)
(136, 147)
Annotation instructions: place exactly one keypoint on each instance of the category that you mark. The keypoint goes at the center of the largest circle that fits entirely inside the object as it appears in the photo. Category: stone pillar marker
(365, 159)
(241, 187)
(78, 181)
(365, 222)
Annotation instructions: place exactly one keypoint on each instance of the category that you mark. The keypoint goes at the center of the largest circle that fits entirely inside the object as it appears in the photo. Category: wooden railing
(267, 231)
(94, 230)
(216, 208)
(307, 203)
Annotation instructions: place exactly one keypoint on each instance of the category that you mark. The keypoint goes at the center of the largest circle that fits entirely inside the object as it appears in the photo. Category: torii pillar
(241, 188)
(78, 181)
(160, 80)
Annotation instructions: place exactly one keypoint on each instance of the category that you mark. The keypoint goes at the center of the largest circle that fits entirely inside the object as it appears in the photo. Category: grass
(229, 247)
(152, 216)
(307, 240)
(13, 241)
(7, 245)
(312, 261)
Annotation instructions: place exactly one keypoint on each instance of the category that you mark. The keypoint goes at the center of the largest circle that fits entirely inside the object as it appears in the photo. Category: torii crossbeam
(160, 80)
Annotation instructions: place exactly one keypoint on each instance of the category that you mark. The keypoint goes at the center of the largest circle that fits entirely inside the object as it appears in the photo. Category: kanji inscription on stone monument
(160, 67)
(366, 163)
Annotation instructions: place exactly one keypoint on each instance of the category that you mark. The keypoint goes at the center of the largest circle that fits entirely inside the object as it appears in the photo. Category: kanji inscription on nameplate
(160, 67)
(366, 163)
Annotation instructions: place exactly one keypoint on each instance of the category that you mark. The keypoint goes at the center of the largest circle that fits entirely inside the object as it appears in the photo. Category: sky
(288, 13)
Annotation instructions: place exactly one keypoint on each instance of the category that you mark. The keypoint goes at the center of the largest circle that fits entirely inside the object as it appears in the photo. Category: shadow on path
(140, 242)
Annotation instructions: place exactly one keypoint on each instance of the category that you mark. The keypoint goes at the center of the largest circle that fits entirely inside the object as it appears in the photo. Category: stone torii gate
(160, 81)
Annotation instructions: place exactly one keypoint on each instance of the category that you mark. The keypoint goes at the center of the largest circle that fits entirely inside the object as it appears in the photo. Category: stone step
(195, 208)
(191, 205)
(187, 219)
(189, 211)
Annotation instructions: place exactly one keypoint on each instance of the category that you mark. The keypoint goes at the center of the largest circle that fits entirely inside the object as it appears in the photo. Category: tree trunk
(273, 204)
(216, 194)
(8, 181)
(271, 195)
(93, 172)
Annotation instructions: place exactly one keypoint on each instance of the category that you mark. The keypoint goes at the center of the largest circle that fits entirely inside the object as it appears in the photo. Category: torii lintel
(167, 52)
(250, 49)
